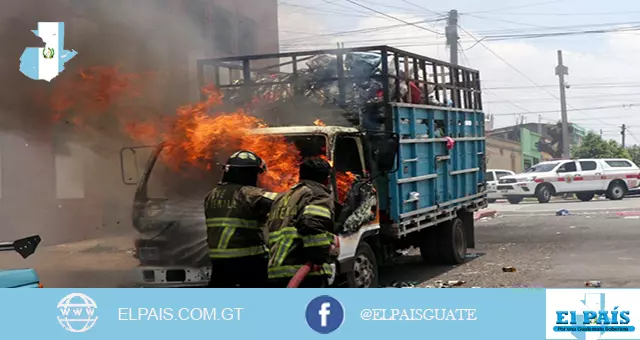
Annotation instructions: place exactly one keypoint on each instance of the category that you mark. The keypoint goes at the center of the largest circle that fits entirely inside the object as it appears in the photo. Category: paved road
(594, 206)
(102, 263)
(595, 243)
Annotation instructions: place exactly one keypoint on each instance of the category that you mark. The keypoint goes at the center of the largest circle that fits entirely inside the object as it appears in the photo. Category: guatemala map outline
(46, 63)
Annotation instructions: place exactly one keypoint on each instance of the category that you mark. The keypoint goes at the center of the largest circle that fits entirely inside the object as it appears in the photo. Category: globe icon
(77, 313)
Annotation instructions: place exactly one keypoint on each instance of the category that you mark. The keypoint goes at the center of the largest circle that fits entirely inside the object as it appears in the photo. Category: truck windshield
(165, 182)
(543, 167)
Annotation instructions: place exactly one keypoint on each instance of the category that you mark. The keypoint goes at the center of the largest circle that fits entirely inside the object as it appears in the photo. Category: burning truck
(403, 132)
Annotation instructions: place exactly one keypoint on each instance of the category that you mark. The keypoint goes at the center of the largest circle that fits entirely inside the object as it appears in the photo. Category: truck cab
(172, 246)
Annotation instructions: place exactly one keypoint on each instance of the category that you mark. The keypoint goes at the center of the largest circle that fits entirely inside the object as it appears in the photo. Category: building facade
(67, 191)
(529, 144)
(503, 154)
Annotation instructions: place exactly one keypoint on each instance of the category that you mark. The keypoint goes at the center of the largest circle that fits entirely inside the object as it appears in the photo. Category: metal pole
(452, 36)
(561, 71)
(540, 125)
(623, 132)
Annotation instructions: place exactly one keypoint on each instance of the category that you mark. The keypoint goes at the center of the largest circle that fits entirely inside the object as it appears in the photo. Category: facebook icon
(324, 314)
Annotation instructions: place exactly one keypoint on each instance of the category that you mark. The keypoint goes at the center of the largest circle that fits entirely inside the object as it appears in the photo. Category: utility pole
(561, 71)
(600, 133)
(540, 125)
(451, 33)
(623, 132)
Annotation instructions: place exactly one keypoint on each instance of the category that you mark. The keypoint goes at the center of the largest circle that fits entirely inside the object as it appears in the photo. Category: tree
(634, 152)
(593, 146)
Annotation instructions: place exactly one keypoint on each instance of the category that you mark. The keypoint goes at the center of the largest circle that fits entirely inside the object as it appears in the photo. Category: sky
(518, 74)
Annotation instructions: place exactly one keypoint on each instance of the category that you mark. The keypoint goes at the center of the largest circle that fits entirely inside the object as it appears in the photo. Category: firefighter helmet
(245, 159)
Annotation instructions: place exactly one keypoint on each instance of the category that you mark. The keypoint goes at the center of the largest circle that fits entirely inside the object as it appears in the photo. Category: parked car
(613, 177)
(492, 176)
(20, 278)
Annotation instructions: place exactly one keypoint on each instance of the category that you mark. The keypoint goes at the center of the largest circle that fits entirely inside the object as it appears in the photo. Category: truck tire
(543, 193)
(585, 196)
(452, 243)
(616, 191)
(364, 273)
(514, 199)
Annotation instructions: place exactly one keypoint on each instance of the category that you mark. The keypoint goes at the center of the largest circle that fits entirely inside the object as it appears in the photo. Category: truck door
(591, 175)
(348, 163)
(566, 174)
(134, 161)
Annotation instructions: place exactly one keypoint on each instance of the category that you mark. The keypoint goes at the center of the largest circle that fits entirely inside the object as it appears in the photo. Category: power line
(573, 86)
(519, 6)
(363, 30)
(571, 13)
(504, 37)
(593, 108)
(391, 16)
(464, 56)
(609, 95)
(421, 7)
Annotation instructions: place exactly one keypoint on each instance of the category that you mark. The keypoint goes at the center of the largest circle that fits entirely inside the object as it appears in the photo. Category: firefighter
(235, 210)
(300, 228)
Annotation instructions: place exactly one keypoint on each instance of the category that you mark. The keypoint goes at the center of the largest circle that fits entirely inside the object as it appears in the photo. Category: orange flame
(318, 122)
(198, 135)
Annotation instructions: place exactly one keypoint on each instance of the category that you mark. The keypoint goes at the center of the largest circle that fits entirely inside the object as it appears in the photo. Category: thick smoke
(150, 39)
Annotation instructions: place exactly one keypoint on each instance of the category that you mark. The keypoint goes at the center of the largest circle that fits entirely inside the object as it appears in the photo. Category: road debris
(563, 212)
(558, 233)
(593, 284)
(402, 284)
(509, 269)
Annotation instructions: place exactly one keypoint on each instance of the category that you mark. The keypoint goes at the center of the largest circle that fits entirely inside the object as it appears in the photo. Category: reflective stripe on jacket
(300, 225)
(234, 215)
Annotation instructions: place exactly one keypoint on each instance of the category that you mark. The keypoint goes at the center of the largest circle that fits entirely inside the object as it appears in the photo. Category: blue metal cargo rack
(445, 181)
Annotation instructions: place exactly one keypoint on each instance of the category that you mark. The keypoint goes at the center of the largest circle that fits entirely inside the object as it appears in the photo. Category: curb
(486, 213)
(628, 213)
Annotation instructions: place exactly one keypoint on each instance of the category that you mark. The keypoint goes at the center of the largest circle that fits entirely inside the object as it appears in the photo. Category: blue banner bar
(273, 314)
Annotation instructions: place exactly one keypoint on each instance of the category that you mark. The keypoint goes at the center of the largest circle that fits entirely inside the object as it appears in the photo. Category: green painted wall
(530, 153)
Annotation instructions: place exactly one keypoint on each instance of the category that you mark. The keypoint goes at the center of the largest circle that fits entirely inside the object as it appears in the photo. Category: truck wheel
(514, 199)
(543, 193)
(616, 191)
(365, 268)
(585, 196)
(452, 243)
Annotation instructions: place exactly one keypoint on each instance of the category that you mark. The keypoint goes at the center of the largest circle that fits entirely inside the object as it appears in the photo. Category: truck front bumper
(170, 277)
(523, 189)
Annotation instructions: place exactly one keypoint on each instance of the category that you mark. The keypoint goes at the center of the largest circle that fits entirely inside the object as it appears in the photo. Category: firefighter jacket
(235, 215)
(300, 225)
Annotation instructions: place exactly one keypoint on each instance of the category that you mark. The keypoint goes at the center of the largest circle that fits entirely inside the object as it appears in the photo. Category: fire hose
(299, 276)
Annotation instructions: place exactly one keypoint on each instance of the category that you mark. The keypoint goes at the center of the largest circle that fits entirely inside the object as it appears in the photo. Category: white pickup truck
(585, 178)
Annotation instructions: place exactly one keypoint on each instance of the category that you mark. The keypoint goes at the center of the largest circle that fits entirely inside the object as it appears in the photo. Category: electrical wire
(362, 30)
(609, 95)
(593, 108)
(519, 6)
(464, 56)
(573, 86)
(391, 17)
(421, 7)
(571, 13)
(323, 11)
(632, 136)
